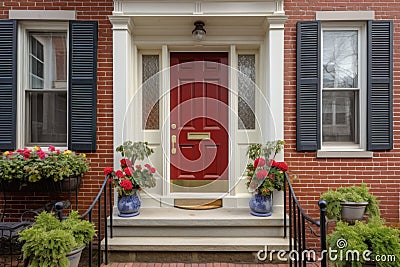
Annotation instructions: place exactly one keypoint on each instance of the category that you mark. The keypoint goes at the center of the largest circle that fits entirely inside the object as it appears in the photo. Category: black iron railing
(299, 221)
(88, 256)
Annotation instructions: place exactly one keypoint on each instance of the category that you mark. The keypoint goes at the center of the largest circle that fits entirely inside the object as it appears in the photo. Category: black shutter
(82, 85)
(8, 84)
(380, 85)
(308, 86)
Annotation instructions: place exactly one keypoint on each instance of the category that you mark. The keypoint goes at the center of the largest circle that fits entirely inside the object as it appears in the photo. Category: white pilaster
(274, 44)
(275, 85)
(122, 81)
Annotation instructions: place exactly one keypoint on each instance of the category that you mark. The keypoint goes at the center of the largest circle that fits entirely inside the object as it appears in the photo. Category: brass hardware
(198, 136)
(173, 126)
(173, 142)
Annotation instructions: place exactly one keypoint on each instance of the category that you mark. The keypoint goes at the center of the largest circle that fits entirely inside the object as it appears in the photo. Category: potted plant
(349, 203)
(50, 242)
(364, 244)
(264, 175)
(26, 166)
(131, 178)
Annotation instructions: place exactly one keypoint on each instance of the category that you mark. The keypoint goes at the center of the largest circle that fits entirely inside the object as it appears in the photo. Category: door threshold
(197, 204)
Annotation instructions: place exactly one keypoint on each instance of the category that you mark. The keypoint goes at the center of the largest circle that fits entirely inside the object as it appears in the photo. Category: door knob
(173, 126)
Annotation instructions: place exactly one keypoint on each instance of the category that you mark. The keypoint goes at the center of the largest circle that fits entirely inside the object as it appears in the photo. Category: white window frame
(362, 86)
(24, 27)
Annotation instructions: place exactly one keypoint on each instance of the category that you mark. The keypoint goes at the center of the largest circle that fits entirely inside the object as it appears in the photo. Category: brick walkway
(136, 264)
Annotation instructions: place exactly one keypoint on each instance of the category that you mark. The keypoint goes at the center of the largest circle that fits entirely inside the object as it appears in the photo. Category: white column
(275, 56)
(122, 78)
(274, 45)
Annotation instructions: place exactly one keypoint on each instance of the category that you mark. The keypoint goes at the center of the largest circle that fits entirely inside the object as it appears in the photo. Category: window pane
(340, 116)
(340, 59)
(246, 103)
(48, 117)
(48, 60)
(151, 92)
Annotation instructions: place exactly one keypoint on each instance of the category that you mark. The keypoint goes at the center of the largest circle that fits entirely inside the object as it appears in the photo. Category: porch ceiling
(183, 26)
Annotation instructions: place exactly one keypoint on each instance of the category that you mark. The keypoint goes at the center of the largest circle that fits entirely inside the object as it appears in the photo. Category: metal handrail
(297, 226)
(89, 215)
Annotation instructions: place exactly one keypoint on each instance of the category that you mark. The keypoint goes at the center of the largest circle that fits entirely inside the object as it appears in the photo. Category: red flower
(138, 167)
(119, 174)
(282, 166)
(125, 163)
(42, 155)
(108, 170)
(126, 185)
(261, 174)
(152, 170)
(147, 165)
(272, 163)
(259, 162)
(52, 148)
(128, 171)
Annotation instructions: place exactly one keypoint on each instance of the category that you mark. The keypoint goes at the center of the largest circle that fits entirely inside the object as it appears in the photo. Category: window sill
(344, 154)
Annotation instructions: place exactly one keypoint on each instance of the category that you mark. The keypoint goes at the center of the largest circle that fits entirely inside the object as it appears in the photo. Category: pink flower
(147, 165)
(58, 151)
(128, 171)
(108, 170)
(52, 148)
(138, 167)
(119, 174)
(261, 174)
(259, 162)
(152, 170)
(126, 185)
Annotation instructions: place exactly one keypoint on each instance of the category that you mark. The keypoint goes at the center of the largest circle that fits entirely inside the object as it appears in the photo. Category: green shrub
(361, 193)
(374, 236)
(48, 241)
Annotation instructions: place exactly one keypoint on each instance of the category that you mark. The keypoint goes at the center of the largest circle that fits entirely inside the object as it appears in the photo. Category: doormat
(197, 204)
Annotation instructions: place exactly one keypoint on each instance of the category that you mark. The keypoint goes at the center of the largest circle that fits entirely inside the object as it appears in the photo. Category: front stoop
(177, 235)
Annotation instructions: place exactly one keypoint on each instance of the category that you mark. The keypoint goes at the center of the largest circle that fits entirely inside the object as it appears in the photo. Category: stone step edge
(187, 244)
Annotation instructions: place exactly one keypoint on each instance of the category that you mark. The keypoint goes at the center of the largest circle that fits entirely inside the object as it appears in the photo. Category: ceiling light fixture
(199, 33)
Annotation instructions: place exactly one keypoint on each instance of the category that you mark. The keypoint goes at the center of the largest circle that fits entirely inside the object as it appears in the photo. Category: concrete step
(174, 222)
(191, 249)
(251, 244)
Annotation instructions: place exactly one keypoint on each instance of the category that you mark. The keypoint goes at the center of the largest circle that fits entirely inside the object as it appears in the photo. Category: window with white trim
(45, 91)
(341, 87)
(344, 86)
(48, 83)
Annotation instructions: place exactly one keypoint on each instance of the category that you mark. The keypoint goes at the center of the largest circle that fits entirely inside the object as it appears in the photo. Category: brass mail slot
(198, 136)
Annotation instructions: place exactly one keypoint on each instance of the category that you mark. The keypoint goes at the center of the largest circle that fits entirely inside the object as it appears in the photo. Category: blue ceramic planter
(128, 206)
(260, 205)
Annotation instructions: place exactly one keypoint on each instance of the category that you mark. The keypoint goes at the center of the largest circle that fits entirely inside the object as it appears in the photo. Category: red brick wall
(98, 10)
(316, 175)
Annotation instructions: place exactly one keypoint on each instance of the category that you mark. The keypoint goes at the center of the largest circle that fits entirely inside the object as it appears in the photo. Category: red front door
(199, 116)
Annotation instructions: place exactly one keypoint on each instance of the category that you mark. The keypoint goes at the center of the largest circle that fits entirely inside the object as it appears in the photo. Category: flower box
(68, 184)
(42, 171)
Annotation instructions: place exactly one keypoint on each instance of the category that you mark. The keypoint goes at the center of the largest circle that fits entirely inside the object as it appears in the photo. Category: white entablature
(200, 8)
